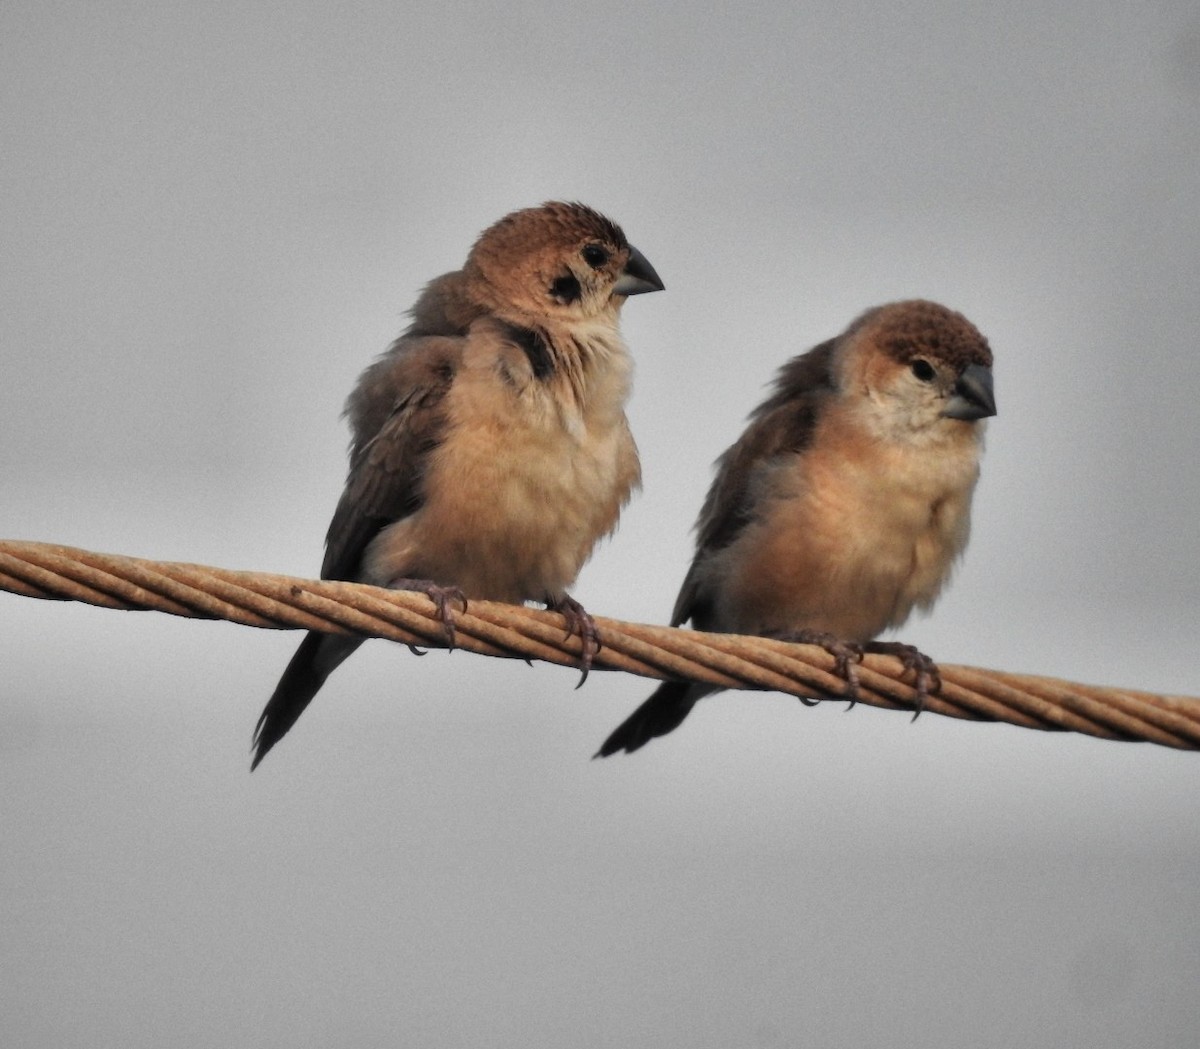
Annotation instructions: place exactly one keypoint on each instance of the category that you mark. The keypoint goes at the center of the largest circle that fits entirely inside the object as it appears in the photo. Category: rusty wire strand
(62, 573)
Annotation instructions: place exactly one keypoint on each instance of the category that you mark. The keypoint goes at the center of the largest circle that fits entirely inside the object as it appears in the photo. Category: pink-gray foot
(441, 596)
(579, 621)
(846, 657)
(928, 677)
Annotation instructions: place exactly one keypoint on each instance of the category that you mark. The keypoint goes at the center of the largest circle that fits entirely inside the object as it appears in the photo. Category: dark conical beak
(638, 277)
(973, 397)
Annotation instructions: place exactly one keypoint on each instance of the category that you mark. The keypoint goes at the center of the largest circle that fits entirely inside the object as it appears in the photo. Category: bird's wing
(782, 425)
(397, 416)
(443, 307)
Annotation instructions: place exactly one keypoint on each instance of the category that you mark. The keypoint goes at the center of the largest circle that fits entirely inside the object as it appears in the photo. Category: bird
(489, 448)
(846, 502)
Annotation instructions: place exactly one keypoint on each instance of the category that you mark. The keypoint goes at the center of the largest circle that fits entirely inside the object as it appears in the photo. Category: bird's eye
(595, 255)
(923, 370)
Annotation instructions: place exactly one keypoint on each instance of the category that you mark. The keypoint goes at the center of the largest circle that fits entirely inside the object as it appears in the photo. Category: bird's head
(561, 262)
(920, 367)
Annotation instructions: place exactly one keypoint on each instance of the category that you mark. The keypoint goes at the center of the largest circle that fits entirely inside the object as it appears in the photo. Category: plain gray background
(213, 216)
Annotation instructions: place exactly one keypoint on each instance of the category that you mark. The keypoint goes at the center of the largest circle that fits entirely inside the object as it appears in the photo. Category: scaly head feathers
(917, 367)
(560, 261)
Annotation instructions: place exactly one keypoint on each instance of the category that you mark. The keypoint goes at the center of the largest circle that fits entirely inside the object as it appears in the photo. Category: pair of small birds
(490, 452)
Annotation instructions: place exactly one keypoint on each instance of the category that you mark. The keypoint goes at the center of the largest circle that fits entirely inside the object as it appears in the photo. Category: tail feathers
(316, 658)
(663, 712)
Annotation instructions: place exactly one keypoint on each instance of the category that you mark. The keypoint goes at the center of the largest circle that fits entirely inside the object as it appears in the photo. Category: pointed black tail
(316, 658)
(663, 712)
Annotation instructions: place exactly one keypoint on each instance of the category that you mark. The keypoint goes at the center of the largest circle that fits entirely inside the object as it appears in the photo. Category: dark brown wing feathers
(397, 416)
(783, 424)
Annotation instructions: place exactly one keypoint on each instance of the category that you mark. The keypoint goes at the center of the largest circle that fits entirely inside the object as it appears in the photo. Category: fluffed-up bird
(490, 449)
(845, 503)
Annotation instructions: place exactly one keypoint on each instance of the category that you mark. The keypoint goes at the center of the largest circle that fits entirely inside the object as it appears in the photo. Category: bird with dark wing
(490, 449)
(846, 502)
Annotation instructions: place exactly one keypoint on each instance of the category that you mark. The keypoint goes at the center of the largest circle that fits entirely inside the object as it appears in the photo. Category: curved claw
(846, 657)
(928, 677)
(441, 596)
(579, 621)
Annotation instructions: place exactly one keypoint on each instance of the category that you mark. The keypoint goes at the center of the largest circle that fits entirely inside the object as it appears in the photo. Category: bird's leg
(579, 621)
(846, 655)
(441, 596)
(929, 678)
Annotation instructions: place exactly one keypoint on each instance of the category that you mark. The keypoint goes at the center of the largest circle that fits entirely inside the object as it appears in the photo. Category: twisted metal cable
(62, 573)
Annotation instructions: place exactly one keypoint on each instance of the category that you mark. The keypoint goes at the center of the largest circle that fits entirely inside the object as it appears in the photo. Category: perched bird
(845, 503)
(490, 449)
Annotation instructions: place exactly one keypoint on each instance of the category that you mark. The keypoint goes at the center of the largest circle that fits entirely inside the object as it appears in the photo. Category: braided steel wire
(42, 570)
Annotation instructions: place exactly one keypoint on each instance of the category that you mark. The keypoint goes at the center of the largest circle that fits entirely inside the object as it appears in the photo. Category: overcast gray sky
(212, 217)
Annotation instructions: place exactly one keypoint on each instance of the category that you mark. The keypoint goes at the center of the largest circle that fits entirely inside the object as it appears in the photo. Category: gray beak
(638, 277)
(973, 397)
